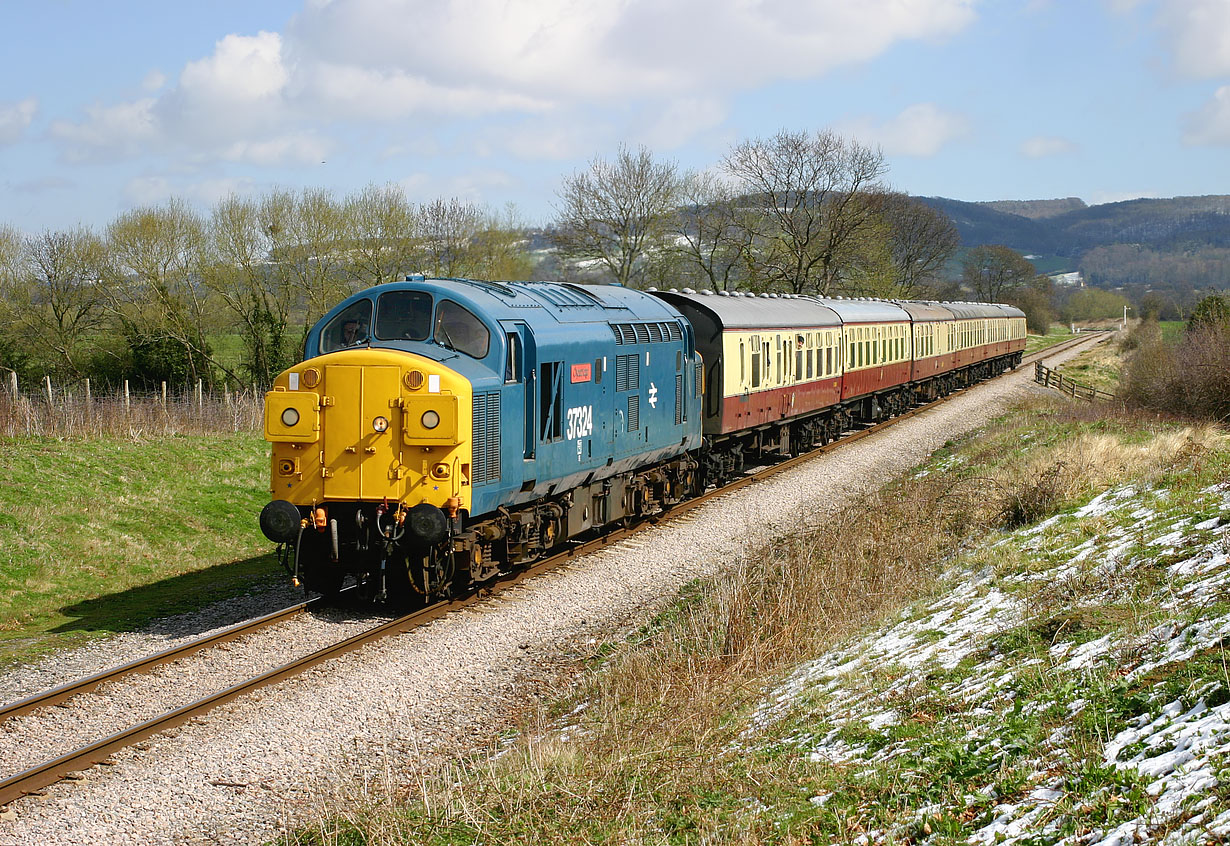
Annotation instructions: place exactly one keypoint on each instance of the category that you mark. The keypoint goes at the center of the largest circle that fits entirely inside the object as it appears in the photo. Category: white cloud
(346, 90)
(571, 50)
(682, 119)
(1042, 146)
(154, 80)
(304, 148)
(271, 98)
(1198, 36)
(148, 190)
(1210, 126)
(15, 118)
(108, 131)
(919, 130)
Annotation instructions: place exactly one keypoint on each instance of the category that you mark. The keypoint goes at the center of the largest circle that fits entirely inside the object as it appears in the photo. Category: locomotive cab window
(458, 329)
(348, 329)
(403, 315)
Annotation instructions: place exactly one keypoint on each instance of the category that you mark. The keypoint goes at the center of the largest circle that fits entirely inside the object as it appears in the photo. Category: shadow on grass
(150, 606)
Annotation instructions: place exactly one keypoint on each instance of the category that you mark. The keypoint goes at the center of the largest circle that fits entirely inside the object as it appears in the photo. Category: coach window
(742, 364)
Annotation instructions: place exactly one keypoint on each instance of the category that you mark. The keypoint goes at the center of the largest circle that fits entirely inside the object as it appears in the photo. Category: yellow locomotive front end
(370, 468)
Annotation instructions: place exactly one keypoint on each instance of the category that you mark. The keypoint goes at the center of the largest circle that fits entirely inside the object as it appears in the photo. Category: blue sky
(105, 107)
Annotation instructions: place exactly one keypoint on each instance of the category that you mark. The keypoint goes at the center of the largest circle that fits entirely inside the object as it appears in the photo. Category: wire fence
(77, 412)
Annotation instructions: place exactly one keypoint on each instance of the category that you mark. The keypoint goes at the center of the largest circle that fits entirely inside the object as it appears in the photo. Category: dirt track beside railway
(258, 765)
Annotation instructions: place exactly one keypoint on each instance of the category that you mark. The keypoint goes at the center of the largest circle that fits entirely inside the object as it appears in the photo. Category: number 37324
(580, 422)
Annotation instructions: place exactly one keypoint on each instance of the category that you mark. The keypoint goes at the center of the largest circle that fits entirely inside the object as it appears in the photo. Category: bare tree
(448, 229)
(994, 272)
(614, 210)
(48, 282)
(921, 240)
(808, 192)
(704, 229)
(383, 224)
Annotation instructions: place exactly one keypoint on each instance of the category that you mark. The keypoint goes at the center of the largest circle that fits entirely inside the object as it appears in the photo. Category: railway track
(40, 776)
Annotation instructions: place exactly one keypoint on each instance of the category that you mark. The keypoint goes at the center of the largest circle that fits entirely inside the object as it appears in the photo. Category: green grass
(1098, 367)
(1172, 330)
(1057, 334)
(100, 536)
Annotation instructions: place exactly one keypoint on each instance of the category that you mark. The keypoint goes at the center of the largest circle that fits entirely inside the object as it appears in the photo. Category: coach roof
(755, 312)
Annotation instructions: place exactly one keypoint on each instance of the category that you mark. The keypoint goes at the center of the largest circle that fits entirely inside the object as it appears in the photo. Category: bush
(1190, 379)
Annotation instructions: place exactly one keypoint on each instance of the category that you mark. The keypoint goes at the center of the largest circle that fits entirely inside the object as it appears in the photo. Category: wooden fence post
(164, 394)
(13, 383)
(127, 398)
(47, 390)
(89, 399)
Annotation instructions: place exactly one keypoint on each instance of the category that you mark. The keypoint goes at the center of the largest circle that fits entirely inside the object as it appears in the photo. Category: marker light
(430, 420)
(380, 424)
(290, 417)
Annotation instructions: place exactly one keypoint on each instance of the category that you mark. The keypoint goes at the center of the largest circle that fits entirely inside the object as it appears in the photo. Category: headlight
(430, 420)
(290, 417)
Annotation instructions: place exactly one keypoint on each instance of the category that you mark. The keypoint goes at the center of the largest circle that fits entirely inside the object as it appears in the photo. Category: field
(100, 535)
(1010, 644)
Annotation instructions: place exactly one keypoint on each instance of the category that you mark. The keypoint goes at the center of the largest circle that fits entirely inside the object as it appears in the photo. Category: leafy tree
(1093, 304)
(1212, 312)
(614, 211)
(308, 236)
(498, 249)
(152, 283)
(254, 290)
(806, 196)
(383, 226)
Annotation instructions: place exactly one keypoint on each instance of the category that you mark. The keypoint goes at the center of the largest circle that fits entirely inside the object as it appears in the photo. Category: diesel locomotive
(440, 432)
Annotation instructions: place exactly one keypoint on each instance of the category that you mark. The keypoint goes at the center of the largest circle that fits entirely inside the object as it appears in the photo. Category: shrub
(1190, 379)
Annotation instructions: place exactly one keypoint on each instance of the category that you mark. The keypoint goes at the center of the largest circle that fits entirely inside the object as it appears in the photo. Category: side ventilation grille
(486, 440)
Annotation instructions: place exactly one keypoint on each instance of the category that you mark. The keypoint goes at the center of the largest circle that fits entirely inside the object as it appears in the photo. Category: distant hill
(1043, 226)
(1180, 242)
(1035, 209)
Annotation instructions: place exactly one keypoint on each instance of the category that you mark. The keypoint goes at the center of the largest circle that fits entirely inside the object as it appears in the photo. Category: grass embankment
(1057, 334)
(1098, 367)
(101, 535)
(959, 685)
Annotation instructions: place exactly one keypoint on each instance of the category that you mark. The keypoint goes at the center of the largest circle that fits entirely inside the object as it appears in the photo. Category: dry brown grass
(1190, 379)
(139, 416)
(648, 757)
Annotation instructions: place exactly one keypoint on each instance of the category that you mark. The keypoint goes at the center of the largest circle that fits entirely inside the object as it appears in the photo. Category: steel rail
(56, 695)
(48, 773)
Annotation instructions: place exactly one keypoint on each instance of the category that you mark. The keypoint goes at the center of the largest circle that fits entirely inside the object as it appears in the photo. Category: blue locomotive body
(441, 431)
